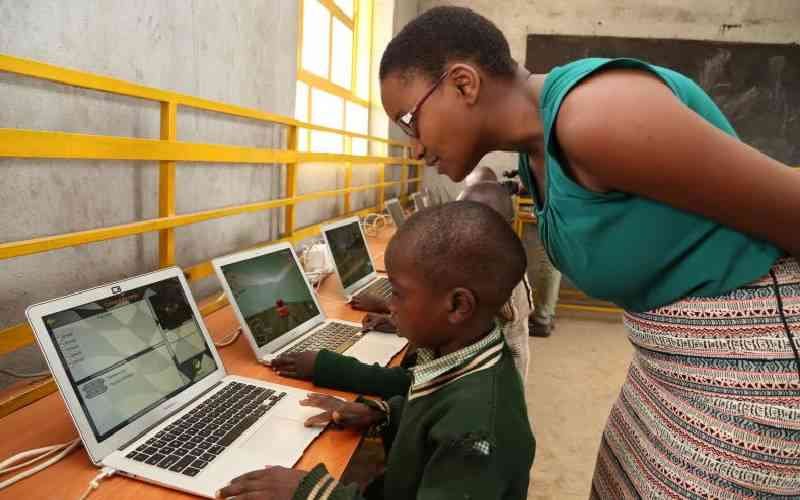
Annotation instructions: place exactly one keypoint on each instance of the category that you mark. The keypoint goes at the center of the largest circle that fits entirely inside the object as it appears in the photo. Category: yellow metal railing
(167, 150)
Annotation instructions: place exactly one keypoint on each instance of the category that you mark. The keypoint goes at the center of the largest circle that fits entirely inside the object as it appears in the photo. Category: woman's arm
(626, 131)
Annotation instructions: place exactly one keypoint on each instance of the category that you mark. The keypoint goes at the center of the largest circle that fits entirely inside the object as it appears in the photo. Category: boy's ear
(461, 305)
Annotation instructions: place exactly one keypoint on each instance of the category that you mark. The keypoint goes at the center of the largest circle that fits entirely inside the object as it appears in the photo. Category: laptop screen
(272, 294)
(126, 354)
(350, 253)
(396, 211)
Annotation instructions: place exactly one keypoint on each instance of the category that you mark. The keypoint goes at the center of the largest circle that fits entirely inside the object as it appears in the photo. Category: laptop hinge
(170, 415)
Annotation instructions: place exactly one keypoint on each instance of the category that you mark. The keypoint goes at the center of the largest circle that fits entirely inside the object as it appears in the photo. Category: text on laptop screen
(271, 293)
(126, 354)
(350, 253)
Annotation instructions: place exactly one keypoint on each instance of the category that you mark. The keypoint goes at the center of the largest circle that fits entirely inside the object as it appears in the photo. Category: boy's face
(419, 312)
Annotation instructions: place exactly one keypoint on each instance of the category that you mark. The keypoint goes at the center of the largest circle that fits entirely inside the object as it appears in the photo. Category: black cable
(786, 328)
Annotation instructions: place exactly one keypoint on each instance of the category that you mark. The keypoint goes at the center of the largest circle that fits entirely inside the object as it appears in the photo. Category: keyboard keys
(168, 461)
(216, 450)
(155, 459)
(147, 450)
(181, 464)
(190, 471)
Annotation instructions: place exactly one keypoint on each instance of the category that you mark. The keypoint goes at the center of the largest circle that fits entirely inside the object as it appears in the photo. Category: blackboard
(756, 85)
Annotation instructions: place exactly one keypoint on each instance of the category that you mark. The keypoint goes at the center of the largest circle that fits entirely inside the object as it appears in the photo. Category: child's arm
(337, 371)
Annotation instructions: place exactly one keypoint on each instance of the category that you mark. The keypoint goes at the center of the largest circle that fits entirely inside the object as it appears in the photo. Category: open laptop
(396, 211)
(352, 261)
(279, 311)
(148, 393)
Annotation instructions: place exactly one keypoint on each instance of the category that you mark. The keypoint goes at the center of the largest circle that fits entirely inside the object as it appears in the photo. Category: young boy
(462, 431)
(329, 369)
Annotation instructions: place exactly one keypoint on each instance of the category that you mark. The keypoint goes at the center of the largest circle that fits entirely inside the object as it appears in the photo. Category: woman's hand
(345, 414)
(270, 483)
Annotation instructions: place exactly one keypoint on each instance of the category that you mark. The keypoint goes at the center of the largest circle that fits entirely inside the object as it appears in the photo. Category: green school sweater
(462, 432)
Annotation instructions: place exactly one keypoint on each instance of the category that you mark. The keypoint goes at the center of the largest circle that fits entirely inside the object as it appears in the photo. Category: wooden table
(46, 422)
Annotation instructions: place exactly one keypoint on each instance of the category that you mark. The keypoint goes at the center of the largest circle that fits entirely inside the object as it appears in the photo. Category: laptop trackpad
(280, 441)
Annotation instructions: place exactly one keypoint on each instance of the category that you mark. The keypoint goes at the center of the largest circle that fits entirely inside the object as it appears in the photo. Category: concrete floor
(574, 378)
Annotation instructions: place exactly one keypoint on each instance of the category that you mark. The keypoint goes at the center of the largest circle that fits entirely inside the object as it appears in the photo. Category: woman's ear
(467, 81)
(461, 305)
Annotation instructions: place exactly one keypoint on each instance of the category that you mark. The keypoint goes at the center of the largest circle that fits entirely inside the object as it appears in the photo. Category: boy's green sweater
(462, 431)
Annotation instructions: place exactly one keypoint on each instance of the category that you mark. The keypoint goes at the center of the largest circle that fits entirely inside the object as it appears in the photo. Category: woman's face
(447, 122)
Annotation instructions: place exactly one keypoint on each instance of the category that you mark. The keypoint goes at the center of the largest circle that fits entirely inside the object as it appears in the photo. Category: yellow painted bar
(348, 172)
(15, 337)
(48, 243)
(338, 13)
(28, 395)
(166, 186)
(329, 87)
(38, 144)
(15, 143)
(291, 183)
(92, 81)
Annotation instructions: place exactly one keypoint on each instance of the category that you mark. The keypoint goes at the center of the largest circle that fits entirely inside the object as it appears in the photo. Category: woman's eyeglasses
(408, 122)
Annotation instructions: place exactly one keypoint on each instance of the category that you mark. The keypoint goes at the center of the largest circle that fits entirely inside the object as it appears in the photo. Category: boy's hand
(345, 414)
(271, 483)
(379, 323)
(296, 364)
(370, 303)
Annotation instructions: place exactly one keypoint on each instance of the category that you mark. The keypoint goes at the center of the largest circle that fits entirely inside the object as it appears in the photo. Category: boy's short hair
(463, 244)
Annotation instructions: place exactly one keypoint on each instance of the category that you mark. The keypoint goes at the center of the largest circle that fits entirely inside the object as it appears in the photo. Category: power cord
(374, 222)
(11, 464)
(229, 339)
(95, 483)
(15, 374)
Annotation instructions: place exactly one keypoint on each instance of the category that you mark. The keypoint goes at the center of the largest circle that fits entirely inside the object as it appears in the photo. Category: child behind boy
(462, 432)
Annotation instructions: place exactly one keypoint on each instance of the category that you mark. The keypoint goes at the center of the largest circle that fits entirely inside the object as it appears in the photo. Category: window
(333, 73)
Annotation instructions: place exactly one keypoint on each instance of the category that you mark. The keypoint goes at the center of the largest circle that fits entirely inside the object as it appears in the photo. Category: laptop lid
(126, 355)
(396, 211)
(350, 253)
(272, 298)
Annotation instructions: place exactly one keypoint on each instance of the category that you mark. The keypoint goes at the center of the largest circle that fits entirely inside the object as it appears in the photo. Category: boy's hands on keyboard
(345, 414)
(296, 364)
(370, 303)
(270, 483)
(378, 323)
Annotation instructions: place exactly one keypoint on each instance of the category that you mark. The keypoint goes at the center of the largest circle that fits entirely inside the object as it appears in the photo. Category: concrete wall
(760, 21)
(240, 52)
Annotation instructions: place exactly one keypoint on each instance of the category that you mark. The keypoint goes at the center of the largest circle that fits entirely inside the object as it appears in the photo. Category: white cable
(41, 453)
(67, 448)
(95, 483)
(12, 373)
(229, 339)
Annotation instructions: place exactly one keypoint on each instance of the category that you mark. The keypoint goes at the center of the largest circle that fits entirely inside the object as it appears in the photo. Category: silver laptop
(352, 260)
(279, 311)
(396, 211)
(148, 393)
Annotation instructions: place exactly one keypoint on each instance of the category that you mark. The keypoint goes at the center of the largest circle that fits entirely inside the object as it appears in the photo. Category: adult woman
(650, 201)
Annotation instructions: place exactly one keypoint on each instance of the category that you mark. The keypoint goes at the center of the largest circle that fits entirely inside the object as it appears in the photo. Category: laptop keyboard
(380, 288)
(190, 443)
(337, 337)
